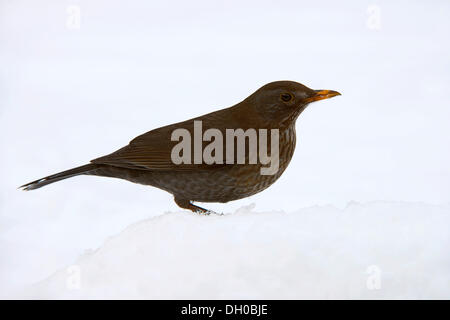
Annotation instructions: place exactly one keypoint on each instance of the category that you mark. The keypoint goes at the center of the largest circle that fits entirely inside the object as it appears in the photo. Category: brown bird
(148, 159)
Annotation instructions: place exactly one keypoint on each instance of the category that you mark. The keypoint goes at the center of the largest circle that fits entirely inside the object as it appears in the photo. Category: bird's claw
(207, 212)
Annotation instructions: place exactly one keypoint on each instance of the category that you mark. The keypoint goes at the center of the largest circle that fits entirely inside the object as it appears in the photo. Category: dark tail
(59, 176)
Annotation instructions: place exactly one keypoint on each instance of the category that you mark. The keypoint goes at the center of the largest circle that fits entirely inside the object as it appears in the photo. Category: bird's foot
(207, 212)
(186, 204)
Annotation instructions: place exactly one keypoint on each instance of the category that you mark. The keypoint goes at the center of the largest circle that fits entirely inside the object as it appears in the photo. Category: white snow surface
(315, 252)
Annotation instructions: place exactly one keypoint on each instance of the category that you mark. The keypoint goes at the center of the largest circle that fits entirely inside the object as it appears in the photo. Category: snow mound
(374, 250)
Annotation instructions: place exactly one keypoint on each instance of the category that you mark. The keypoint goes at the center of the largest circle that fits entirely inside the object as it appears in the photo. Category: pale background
(72, 92)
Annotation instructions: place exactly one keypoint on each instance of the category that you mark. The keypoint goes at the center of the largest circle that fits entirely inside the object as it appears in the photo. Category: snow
(375, 250)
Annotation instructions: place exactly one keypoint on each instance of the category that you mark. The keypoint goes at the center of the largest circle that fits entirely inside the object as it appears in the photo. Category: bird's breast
(218, 183)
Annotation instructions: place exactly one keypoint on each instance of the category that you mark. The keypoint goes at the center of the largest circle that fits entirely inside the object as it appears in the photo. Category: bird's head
(283, 101)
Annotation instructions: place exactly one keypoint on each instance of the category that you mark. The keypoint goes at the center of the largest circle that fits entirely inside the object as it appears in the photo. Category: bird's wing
(152, 150)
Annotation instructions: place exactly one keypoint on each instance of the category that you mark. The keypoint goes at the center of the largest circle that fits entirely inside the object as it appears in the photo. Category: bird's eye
(286, 97)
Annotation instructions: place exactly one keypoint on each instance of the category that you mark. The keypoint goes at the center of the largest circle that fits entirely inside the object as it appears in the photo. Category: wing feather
(152, 150)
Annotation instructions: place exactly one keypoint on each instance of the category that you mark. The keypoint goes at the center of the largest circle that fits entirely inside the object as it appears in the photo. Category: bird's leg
(187, 204)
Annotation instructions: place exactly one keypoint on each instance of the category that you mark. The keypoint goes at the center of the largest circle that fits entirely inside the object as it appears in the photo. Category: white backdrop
(72, 90)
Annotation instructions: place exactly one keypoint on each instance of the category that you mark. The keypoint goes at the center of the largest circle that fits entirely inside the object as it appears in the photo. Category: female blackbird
(149, 158)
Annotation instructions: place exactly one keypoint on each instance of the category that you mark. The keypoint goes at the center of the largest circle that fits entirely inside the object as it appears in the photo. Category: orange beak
(322, 94)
